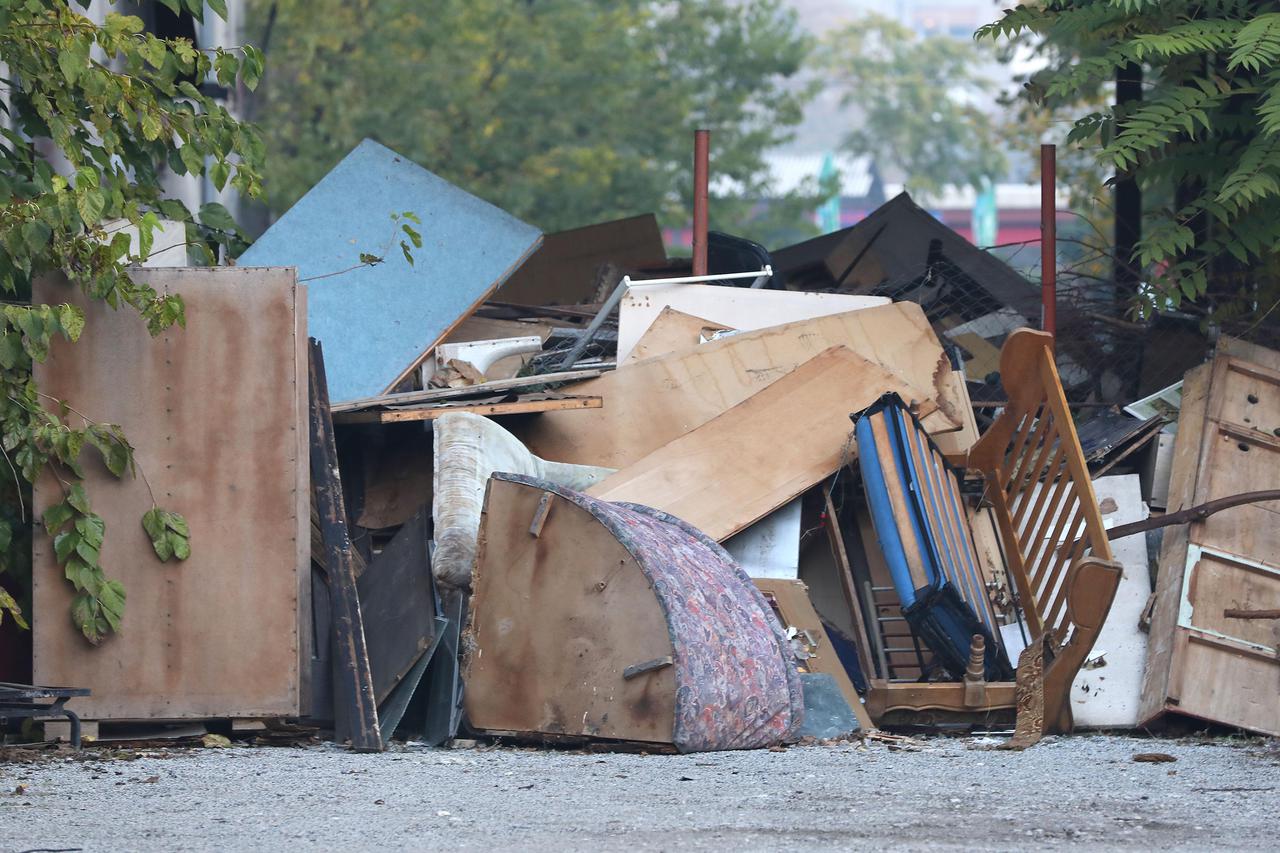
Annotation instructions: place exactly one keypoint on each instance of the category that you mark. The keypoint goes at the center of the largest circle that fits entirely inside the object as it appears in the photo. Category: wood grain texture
(216, 413)
(652, 402)
(556, 620)
(670, 332)
(733, 470)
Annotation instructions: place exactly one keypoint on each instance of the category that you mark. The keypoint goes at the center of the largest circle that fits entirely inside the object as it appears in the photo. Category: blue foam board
(377, 321)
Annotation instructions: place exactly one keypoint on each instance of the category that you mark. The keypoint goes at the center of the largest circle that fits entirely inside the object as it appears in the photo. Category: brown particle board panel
(563, 270)
(669, 332)
(652, 402)
(1200, 662)
(216, 412)
(733, 470)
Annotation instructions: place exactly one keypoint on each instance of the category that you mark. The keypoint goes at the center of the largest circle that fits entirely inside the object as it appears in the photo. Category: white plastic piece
(468, 450)
(481, 355)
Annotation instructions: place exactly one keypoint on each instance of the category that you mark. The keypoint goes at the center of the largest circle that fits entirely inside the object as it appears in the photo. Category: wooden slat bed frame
(1055, 547)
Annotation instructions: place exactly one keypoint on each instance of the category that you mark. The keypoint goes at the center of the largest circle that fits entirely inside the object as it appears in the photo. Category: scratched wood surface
(652, 402)
(217, 415)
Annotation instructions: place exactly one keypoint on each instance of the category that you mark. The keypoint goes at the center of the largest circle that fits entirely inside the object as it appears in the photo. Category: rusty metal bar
(1049, 237)
(701, 157)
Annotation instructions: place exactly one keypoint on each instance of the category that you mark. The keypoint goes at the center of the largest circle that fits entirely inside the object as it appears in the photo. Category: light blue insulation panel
(377, 321)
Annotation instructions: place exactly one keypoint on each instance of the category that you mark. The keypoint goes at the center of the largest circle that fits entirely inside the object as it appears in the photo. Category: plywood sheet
(1107, 689)
(378, 322)
(652, 402)
(557, 618)
(564, 270)
(735, 307)
(217, 414)
(670, 331)
(733, 470)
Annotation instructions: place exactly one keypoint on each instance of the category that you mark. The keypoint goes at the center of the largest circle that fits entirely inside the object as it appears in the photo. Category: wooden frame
(1056, 549)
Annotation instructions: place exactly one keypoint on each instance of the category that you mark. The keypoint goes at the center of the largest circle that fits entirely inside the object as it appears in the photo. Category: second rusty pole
(1049, 238)
(701, 157)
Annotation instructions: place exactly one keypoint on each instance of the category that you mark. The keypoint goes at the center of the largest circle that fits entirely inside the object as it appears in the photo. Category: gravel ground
(934, 794)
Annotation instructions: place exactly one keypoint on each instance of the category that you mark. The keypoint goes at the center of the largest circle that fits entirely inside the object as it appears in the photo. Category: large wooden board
(559, 612)
(733, 469)
(652, 402)
(736, 307)
(217, 414)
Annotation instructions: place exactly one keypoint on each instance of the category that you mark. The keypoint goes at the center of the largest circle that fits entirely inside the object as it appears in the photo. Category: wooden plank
(556, 620)
(548, 403)
(355, 705)
(397, 605)
(670, 332)
(736, 307)
(733, 470)
(435, 395)
(216, 414)
(792, 601)
(652, 402)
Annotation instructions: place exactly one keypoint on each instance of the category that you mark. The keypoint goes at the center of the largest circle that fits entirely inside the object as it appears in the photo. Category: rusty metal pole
(701, 156)
(1049, 238)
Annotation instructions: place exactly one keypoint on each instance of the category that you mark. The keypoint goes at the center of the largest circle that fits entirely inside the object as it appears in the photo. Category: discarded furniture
(468, 449)
(217, 415)
(593, 620)
(1056, 549)
(18, 701)
(923, 530)
(379, 321)
(1206, 658)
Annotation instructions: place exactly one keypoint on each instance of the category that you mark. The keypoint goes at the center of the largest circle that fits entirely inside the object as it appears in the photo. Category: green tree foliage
(919, 99)
(113, 107)
(563, 112)
(1204, 140)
